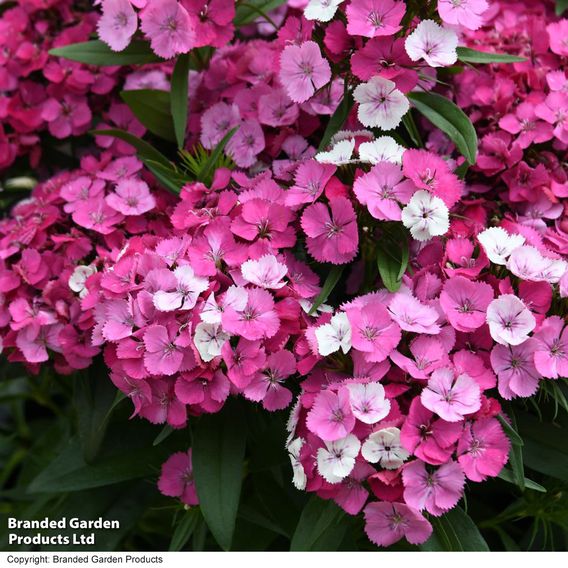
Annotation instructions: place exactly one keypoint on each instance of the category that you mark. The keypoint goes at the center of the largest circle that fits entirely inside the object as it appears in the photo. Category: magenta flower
(169, 27)
(466, 13)
(451, 397)
(382, 189)
(131, 197)
(176, 479)
(68, 116)
(34, 342)
(350, 493)
(515, 369)
(436, 490)
(98, 216)
(119, 319)
(551, 354)
(331, 417)
(428, 354)
(303, 70)
(510, 321)
(247, 142)
(165, 406)
(118, 23)
(243, 361)
(483, 449)
(166, 351)
(310, 180)
(331, 238)
(465, 302)
(386, 523)
(372, 18)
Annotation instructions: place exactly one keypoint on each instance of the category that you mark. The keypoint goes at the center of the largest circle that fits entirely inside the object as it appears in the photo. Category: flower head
(384, 447)
(426, 216)
(331, 417)
(118, 23)
(433, 43)
(510, 321)
(381, 104)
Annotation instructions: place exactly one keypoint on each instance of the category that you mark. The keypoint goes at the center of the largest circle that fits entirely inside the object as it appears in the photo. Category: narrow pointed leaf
(468, 55)
(250, 10)
(206, 172)
(449, 118)
(184, 529)
(392, 257)
(152, 108)
(179, 97)
(507, 475)
(96, 52)
(337, 119)
(330, 283)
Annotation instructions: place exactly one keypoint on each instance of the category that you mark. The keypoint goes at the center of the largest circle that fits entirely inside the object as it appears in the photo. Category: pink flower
(381, 104)
(257, 320)
(216, 122)
(451, 397)
(68, 116)
(243, 361)
(131, 196)
(466, 13)
(515, 369)
(429, 354)
(436, 490)
(97, 216)
(368, 402)
(465, 302)
(432, 440)
(372, 18)
(166, 351)
(551, 354)
(382, 189)
(165, 405)
(387, 523)
(118, 23)
(557, 34)
(331, 417)
(372, 331)
(247, 142)
(276, 109)
(266, 272)
(350, 493)
(331, 238)
(433, 43)
(412, 315)
(169, 27)
(182, 288)
(510, 321)
(176, 479)
(483, 449)
(119, 319)
(303, 70)
(310, 180)
(267, 386)
(34, 342)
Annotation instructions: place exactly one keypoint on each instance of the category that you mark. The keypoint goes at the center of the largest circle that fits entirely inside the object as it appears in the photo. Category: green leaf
(321, 527)
(167, 430)
(516, 453)
(413, 132)
(392, 257)
(449, 118)
(468, 55)
(561, 7)
(169, 177)
(330, 283)
(98, 53)
(218, 454)
(184, 529)
(179, 97)
(208, 169)
(152, 108)
(510, 431)
(455, 532)
(94, 399)
(250, 10)
(145, 151)
(508, 476)
(338, 118)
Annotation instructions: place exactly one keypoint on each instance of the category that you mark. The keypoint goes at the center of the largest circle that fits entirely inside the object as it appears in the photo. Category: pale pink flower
(483, 449)
(466, 13)
(551, 355)
(384, 447)
(428, 354)
(216, 122)
(209, 339)
(515, 369)
(331, 417)
(247, 142)
(510, 321)
(381, 104)
(373, 18)
(465, 302)
(303, 70)
(131, 196)
(433, 43)
(337, 459)
(266, 272)
(382, 149)
(528, 263)
(169, 27)
(451, 396)
(413, 315)
(181, 291)
(386, 523)
(166, 351)
(331, 238)
(436, 491)
(368, 402)
(118, 23)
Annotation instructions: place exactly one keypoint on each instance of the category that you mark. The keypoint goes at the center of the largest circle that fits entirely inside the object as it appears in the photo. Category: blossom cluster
(219, 291)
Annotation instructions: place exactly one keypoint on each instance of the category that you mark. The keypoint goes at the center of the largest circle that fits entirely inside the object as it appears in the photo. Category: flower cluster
(222, 289)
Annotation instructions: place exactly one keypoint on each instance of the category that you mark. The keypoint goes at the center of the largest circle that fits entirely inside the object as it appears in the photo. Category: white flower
(265, 272)
(337, 459)
(321, 10)
(184, 297)
(209, 339)
(498, 244)
(339, 154)
(334, 335)
(292, 422)
(79, 277)
(383, 447)
(235, 297)
(527, 263)
(433, 43)
(381, 104)
(368, 402)
(383, 149)
(294, 448)
(426, 216)
(307, 306)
